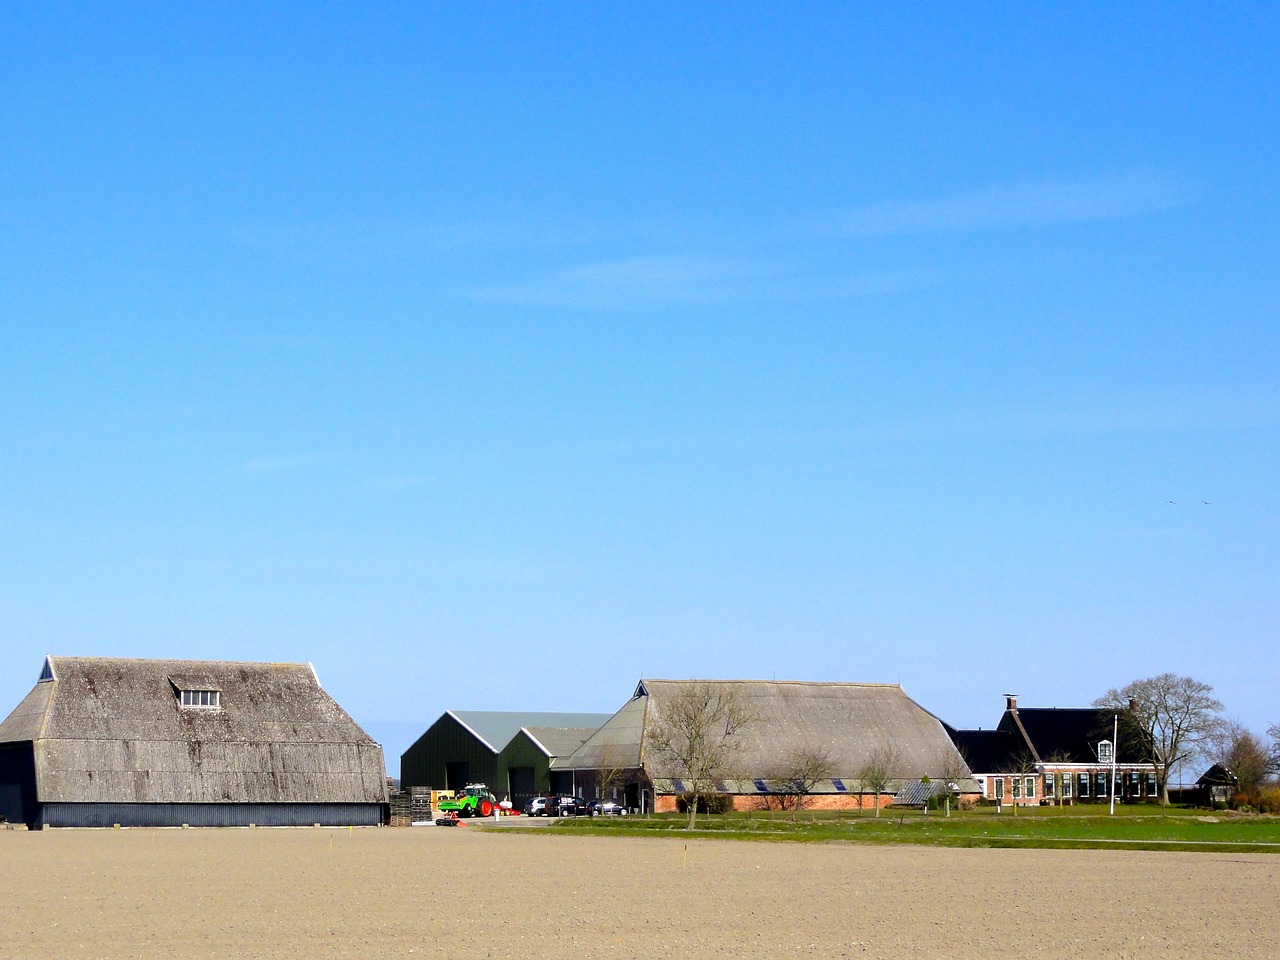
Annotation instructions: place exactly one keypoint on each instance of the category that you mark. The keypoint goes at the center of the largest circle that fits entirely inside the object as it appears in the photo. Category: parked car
(607, 808)
(537, 807)
(567, 807)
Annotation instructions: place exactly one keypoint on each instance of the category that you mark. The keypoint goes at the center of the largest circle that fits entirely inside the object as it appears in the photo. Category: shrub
(708, 803)
(1270, 797)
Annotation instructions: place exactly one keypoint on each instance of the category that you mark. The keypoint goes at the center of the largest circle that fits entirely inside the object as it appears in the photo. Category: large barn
(101, 741)
(847, 727)
(471, 746)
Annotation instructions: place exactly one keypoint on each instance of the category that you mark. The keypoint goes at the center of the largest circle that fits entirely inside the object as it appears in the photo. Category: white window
(1030, 788)
(207, 699)
(1000, 788)
(1049, 784)
(1066, 786)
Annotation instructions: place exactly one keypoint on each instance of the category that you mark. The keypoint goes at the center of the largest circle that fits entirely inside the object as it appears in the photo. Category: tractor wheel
(486, 808)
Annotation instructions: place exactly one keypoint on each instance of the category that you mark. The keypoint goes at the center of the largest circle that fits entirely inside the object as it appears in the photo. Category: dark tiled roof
(1217, 776)
(1070, 734)
(988, 751)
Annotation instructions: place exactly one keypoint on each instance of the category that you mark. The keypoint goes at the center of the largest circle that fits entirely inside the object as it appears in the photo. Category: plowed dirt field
(472, 893)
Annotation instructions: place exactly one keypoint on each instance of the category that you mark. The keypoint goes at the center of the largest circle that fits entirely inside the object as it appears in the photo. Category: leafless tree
(1242, 754)
(697, 739)
(1174, 717)
(953, 769)
(1020, 767)
(1059, 758)
(878, 770)
(801, 771)
(1273, 732)
(610, 775)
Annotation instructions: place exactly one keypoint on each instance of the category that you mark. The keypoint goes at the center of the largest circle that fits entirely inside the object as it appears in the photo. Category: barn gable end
(125, 740)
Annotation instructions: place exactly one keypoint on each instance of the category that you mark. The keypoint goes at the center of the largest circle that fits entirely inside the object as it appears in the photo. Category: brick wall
(669, 803)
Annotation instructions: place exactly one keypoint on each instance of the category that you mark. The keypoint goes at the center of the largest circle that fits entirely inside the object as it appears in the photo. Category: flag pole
(1115, 736)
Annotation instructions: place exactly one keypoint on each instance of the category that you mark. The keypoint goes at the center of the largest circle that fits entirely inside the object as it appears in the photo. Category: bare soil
(475, 892)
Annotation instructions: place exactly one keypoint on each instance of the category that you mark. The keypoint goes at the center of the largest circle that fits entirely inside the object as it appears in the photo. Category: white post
(1115, 734)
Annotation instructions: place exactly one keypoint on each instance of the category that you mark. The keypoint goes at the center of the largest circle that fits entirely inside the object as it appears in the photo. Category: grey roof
(111, 730)
(559, 741)
(497, 727)
(847, 720)
(615, 744)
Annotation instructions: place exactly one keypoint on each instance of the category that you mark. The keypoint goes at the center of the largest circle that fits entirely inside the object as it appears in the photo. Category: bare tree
(1273, 732)
(1174, 716)
(1238, 751)
(878, 769)
(697, 738)
(1059, 758)
(801, 771)
(954, 769)
(611, 774)
(1020, 767)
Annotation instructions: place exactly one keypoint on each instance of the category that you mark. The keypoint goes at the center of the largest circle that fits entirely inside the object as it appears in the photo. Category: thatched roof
(847, 721)
(113, 730)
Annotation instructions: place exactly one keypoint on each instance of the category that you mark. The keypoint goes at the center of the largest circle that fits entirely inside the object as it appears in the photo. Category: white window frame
(1029, 788)
(200, 699)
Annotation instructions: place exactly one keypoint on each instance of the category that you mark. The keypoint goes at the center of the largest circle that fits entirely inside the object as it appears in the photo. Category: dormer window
(199, 699)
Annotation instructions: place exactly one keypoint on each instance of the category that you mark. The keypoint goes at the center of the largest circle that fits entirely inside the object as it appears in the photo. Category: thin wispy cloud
(601, 264)
(693, 280)
(260, 466)
(644, 280)
(389, 240)
(1026, 203)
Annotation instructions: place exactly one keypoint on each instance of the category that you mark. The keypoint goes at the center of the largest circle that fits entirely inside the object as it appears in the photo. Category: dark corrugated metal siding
(211, 814)
(447, 741)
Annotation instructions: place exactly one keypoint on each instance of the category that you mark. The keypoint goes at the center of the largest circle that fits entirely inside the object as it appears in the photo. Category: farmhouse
(822, 740)
(1055, 755)
(510, 751)
(101, 741)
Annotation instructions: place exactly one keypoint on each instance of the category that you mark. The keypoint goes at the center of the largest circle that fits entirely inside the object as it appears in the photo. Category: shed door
(457, 775)
(562, 781)
(523, 785)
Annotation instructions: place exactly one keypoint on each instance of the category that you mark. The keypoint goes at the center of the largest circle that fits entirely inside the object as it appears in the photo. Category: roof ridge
(796, 683)
(238, 663)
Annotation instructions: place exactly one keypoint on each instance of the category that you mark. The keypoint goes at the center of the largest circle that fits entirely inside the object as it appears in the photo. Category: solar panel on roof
(761, 786)
(839, 785)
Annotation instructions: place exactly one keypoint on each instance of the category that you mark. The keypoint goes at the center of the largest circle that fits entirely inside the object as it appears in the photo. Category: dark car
(567, 807)
(607, 808)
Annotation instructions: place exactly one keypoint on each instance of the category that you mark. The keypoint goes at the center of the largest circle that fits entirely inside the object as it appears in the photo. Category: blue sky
(494, 356)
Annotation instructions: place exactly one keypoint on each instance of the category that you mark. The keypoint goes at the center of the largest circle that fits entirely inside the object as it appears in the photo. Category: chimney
(1011, 701)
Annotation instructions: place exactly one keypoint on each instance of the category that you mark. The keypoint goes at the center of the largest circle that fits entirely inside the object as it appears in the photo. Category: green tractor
(475, 800)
